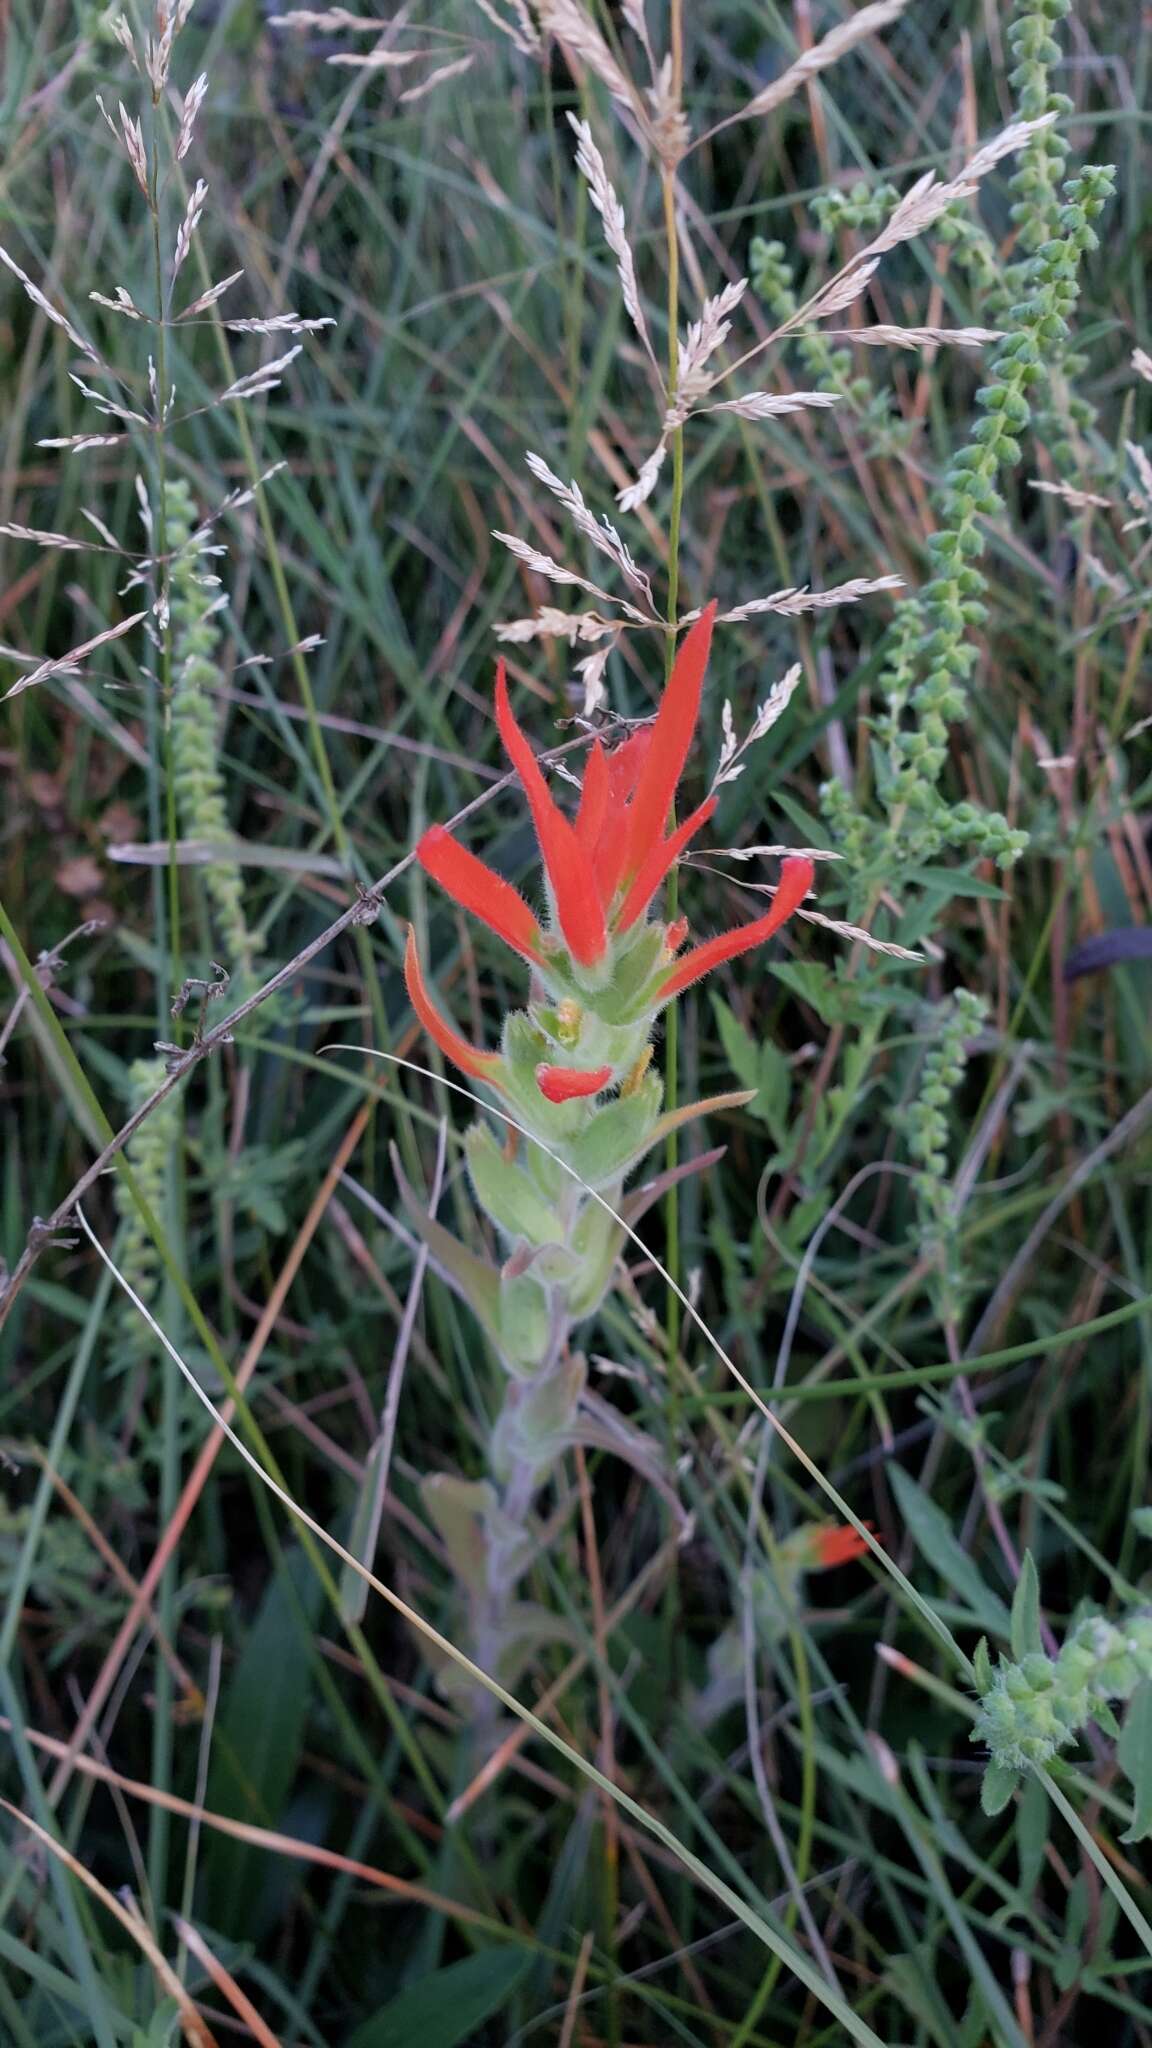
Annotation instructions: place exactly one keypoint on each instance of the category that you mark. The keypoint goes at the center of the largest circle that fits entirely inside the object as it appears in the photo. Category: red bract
(471, 1059)
(567, 861)
(796, 876)
(568, 1084)
(478, 888)
(829, 1547)
(671, 739)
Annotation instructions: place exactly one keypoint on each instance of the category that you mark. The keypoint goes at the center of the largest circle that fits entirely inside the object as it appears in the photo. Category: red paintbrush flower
(569, 1084)
(828, 1547)
(605, 866)
(471, 1059)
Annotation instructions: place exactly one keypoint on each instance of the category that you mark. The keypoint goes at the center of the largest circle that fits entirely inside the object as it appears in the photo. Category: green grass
(267, 1755)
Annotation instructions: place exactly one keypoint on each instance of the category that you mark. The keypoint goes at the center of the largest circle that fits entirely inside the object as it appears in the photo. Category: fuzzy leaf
(617, 1134)
(675, 1119)
(506, 1193)
(1032, 1813)
(459, 1511)
(525, 1320)
(1026, 1637)
(473, 1279)
(597, 1241)
(982, 1666)
(999, 1783)
(1134, 1755)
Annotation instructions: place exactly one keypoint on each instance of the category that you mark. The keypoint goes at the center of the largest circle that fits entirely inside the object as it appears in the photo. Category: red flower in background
(603, 868)
(828, 1547)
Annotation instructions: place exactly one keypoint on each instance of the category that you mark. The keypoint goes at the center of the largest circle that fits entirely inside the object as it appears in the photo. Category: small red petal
(569, 864)
(835, 1546)
(594, 798)
(611, 849)
(567, 1084)
(676, 934)
(478, 888)
(626, 762)
(471, 1059)
(671, 739)
(796, 876)
(657, 862)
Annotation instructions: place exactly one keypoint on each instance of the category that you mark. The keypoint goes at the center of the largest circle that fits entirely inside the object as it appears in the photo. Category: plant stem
(672, 1145)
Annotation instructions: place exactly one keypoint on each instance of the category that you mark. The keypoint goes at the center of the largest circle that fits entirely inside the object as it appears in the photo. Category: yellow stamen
(634, 1078)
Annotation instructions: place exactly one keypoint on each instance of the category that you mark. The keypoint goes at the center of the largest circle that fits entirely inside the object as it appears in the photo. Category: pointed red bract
(671, 739)
(656, 863)
(478, 888)
(569, 865)
(625, 763)
(795, 881)
(830, 1547)
(595, 795)
(471, 1059)
(611, 848)
(568, 1084)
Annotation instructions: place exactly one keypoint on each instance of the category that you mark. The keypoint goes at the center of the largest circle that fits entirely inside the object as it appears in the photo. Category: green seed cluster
(1035, 189)
(149, 1154)
(925, 1125)
(200, 792)
(1036, 182)
(1032, 1709)
(855, 207)
(929, 638)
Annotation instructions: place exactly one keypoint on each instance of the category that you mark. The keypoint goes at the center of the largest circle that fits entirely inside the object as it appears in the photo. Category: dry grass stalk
(266, 378)
(192, 105)
(602, 193)
(764, 405)
(545, 565)
(550, 624)
(917, 337)
(438, 77)
(521, 31)
(868, 21)
(572, 26)
(601, 533)
(189, 225)
(64, 663)
(799, 599)
(732, 749)
(50, 311)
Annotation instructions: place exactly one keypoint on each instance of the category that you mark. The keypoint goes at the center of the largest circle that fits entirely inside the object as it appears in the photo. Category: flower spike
(795, 881)
(568, 863)
(569, 1084)
(471, 1059)
(478, 888)
(671, 738)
